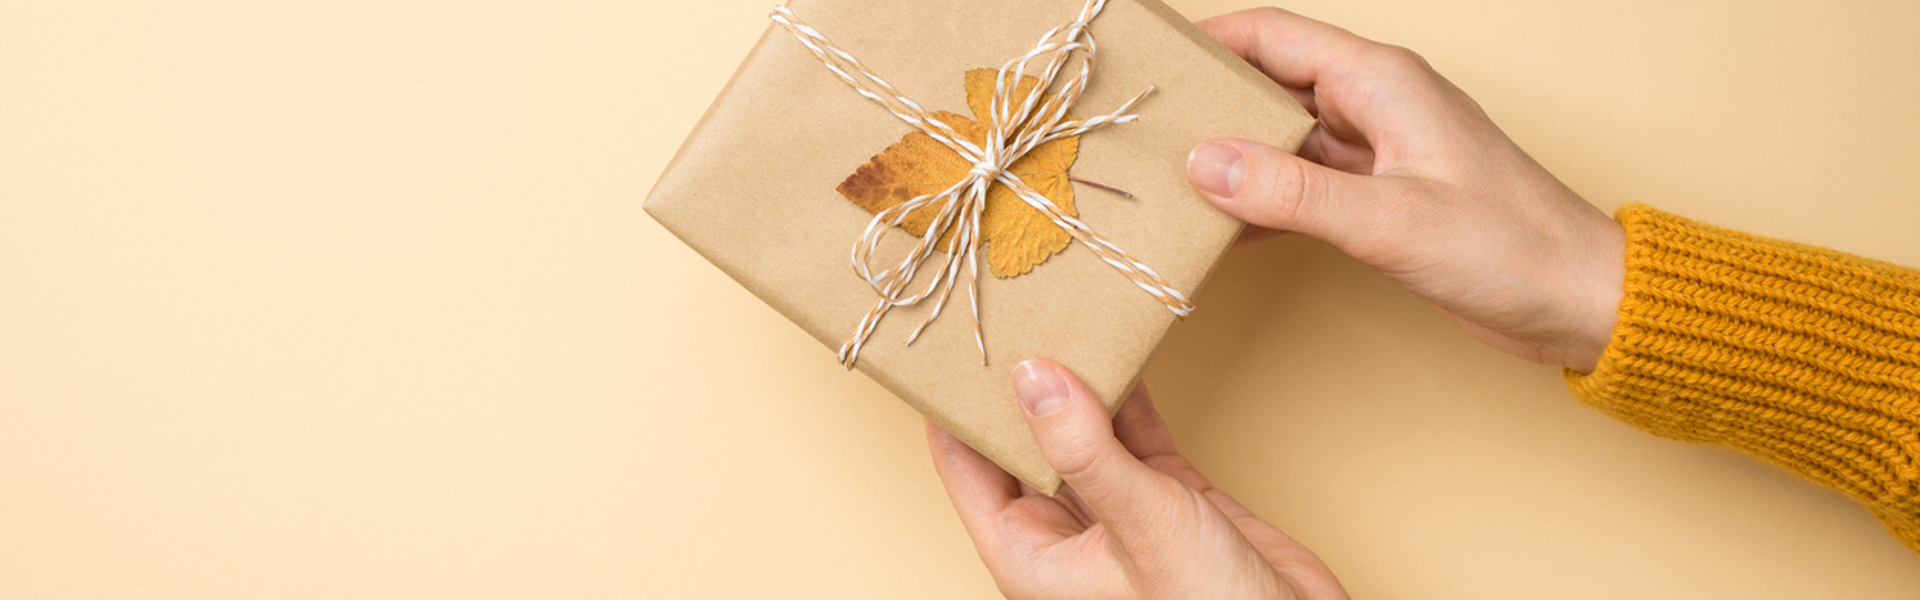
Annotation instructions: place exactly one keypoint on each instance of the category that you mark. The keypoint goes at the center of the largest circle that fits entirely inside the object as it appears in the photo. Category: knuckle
(1267, 13)
(1080, 457)
(1400, 58)
(1289, 187)
(1398, 67)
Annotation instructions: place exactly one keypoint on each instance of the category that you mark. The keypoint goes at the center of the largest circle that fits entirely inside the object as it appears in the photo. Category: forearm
(1806, 357)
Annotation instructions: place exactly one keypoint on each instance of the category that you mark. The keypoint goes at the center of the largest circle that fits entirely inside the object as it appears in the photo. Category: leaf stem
(1108, 188)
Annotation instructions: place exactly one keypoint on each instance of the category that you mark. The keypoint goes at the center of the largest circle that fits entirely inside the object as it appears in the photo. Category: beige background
(355, 299)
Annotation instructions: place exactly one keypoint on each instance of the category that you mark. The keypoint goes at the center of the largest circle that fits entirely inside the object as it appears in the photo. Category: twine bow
(1016, 124)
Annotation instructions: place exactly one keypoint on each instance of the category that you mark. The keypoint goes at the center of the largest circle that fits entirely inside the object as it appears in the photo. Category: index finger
(1139, 426)
(979, 489)
(1292, 50)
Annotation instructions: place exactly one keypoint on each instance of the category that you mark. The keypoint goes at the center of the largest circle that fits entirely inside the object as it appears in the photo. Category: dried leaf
(1017, 236)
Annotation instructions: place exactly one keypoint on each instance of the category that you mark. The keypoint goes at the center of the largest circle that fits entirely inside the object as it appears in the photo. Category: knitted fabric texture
(1806, 357)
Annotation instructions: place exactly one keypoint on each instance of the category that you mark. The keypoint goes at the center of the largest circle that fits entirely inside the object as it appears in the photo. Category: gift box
(975, 154)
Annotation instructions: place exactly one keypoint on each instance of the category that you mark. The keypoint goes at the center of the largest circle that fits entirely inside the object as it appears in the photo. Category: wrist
(1603, 288)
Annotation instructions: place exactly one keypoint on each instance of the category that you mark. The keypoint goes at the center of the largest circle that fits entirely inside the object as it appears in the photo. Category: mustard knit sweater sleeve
(1805, 357)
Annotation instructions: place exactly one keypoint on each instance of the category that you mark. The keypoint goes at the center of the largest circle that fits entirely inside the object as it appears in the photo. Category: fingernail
(1217, 168)
(1041, 388)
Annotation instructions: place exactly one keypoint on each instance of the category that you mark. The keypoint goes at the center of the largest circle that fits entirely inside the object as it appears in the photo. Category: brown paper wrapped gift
(754, 190)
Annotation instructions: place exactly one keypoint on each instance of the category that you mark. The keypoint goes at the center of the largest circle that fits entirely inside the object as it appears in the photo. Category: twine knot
(985, 170)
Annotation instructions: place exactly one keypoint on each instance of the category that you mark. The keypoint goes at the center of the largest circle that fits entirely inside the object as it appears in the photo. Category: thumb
(1075, 433)
(1272, 188)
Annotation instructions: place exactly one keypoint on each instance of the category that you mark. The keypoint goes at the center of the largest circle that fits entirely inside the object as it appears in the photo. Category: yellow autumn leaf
(1017, 236)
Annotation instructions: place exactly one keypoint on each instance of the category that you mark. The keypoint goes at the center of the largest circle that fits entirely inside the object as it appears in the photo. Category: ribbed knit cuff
(1803, 356)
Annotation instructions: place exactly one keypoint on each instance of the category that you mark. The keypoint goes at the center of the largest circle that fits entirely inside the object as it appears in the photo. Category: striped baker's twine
(1018, 124)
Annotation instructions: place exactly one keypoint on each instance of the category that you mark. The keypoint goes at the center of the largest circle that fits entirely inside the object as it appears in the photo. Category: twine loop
(1016, 124)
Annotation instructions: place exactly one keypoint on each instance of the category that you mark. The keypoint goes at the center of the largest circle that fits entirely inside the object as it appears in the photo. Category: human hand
(1135, 520)
(1407, 174)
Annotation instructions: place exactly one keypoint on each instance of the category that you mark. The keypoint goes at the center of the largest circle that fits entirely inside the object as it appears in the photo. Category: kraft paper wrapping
(753, 190)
